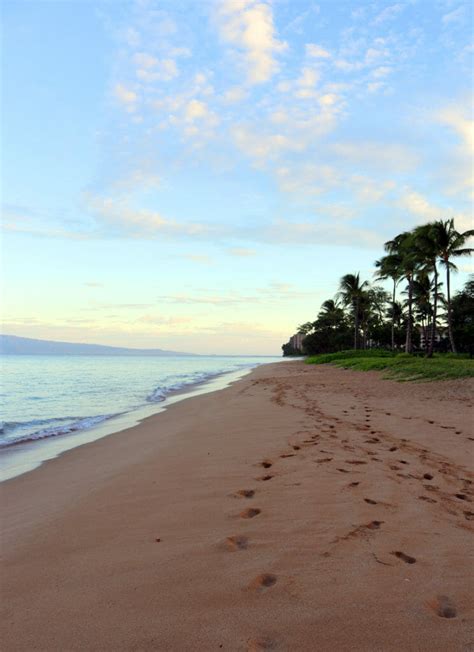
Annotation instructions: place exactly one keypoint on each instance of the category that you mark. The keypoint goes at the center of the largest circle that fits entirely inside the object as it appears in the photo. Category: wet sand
(302, 508)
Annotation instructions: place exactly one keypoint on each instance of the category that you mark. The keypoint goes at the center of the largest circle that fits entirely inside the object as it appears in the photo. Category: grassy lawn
(400, 366)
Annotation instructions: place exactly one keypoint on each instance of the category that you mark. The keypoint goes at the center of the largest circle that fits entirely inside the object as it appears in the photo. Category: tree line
(420, 307)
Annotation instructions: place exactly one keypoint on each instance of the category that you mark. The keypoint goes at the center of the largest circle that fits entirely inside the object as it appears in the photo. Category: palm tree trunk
(356, 325)
(408, 341)
(393, 314)
(450, 320)
(435, 306)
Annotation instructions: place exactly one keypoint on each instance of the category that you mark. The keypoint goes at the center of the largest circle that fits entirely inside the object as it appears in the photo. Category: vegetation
(401, 366)
(418, 316)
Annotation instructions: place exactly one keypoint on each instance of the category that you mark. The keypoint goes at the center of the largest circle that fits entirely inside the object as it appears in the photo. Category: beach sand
(302, 508)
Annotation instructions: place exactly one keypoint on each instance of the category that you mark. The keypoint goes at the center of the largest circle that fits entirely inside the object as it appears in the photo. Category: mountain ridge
(16, 345)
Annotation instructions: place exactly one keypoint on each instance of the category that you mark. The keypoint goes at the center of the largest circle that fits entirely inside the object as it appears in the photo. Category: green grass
(400, 366)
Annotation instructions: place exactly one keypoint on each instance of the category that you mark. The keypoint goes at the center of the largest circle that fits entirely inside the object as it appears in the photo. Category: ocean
(74, 399)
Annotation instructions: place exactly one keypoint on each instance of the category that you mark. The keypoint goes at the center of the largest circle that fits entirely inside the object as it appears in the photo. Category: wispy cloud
(388, 14)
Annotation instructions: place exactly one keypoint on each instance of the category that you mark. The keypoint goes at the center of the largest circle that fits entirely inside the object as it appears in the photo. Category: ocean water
(59, 397)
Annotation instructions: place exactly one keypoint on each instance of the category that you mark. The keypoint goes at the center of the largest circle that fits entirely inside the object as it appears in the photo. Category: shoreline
(22, 457)
(290, 507)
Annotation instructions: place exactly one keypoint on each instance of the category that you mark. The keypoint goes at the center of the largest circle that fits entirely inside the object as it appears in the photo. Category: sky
(198, 175)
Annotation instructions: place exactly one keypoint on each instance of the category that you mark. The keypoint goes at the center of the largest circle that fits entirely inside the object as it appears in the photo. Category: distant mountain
(13, 345)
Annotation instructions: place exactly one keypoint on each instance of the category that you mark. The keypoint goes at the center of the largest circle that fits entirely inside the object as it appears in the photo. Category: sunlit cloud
(248, 26)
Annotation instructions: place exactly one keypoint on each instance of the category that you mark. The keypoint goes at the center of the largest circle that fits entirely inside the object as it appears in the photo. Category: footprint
(296, 448)
(403, 462)
(263, 581)
(461, 496)
(427, 499)
(264, 478)
(354, 484)
(370, 501)
(374, 525)
(266, 464)
(261, 643)
(469, 516)
(408, 559)
(343, 470)
(355, 462)
(444, 607)
(251, 512)
(427, 476)
(323, 459)
(245, 493)
(235, 543)
(287, 455)
(394, 448)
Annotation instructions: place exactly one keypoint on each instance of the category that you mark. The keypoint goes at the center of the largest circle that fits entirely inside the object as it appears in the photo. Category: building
(296, 341)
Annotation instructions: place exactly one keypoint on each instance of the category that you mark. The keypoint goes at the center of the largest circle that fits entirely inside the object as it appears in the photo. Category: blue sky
(198, 175)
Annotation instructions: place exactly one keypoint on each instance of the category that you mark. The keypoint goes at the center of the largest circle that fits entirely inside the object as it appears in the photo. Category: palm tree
(403, 245)
(389, 267)
(428, 249)
(330, 306)
(305, 328)
(449, 244)
(395, 312)
(421, 295)
(351, 291)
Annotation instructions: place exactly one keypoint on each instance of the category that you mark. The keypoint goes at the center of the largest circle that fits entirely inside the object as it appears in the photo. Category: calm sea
(60, 397)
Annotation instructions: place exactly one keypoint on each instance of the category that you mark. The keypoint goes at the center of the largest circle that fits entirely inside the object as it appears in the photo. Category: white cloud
(460, 120)
(125, 96)
(348, 66)
(262, 147)
(323, 232)
(329, 99)
(458, 169)
(235, 94)
(196, 110)
(138, 178)
(278, 117)
(377, 156)
(316, 51)
(248, 26)
(424, 210)
(419, 205)
(373, 87)
(139, 222)
(241, 252)
(283, 86)
(389, 13)
(307, 180)
(382, 71)
(157, 70)
(144, 60)
(455, 16)
(308, 78)
(197, 115)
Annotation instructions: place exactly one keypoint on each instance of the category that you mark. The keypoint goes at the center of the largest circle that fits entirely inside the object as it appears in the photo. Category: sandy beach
(302, 508)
